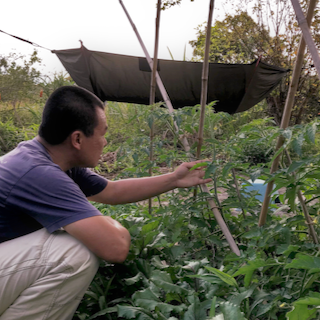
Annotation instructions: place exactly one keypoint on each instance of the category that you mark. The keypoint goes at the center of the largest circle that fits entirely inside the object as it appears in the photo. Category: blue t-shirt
(36, 193)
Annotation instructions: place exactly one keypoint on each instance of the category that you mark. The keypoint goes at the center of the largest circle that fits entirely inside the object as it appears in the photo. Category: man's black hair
(69, 108)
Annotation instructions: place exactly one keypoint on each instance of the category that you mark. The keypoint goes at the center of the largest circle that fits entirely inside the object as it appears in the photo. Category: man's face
(93, 146)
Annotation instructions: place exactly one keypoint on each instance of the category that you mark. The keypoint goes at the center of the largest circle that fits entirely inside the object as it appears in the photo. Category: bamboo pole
(204, 84)
(153, 89)
(304, 25)
(161, 87)
(158, 79)
(155, 56)
(185, 143)
(287, 113)
(204, 80)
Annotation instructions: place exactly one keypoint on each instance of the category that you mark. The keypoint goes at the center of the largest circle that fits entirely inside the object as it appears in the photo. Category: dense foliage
(180, 265)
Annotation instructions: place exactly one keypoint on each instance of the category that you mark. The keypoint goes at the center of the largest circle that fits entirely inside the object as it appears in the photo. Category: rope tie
(21, 39)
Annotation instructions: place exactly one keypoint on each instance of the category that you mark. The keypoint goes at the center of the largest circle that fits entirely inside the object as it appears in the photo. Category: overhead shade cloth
(114, 77)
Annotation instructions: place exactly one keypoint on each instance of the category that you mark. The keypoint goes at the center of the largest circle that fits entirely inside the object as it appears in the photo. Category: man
(50, 234)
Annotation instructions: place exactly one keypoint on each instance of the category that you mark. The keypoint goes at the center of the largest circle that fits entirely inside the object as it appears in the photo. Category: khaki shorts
(44, 276)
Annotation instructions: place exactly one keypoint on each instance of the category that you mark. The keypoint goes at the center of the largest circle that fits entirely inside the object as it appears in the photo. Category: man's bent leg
(44, 276)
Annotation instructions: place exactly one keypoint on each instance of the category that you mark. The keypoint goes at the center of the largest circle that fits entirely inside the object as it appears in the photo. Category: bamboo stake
(161, 87)
(158, 79)
(312, 232)
(304, 25)
(185, 143)
(204, 84)
(155, 56)
(153, 89)
(287, 113)
(204, 80)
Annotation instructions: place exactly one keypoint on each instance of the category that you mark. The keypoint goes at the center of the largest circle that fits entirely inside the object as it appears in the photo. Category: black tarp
(114, 77)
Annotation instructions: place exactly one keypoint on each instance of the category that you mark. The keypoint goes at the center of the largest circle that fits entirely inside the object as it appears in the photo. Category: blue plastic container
(258, 185)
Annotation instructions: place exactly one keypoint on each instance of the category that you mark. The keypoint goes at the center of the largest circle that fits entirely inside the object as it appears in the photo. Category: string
(32, 43)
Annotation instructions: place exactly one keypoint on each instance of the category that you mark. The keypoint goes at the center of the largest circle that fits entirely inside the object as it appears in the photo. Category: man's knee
(81, 262)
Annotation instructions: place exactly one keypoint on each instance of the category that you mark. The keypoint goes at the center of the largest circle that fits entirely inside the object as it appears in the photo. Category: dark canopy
(113, 77)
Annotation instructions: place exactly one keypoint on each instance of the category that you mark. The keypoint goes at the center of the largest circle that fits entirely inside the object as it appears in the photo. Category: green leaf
(223, 276)
(231, 311)
(218, 317)
(305, 262)
(213, 307)
(291, 196)
(155, 260)
(102, 302)
(211, 169)
(248, 269)
(169, 287)
(255, 174)
(103, 312)
(312, 299)
(300, 312)
(297, 144)
(130, 281)
(287, 133)
(135, 157)
(146, 294)
(130, 312)
(156, 240)
(150, 120)
(264, 308)
(237, 298)
(310, 281)
(148, 300)
(151, 226)
(297, 164)
(163, 307)
(192, 265)
(195, 310)
(163, 281)
(92, 295)
(199, 222)
(254, 233)
(286, 249)
(311, 130)
(213, 279)
(161, 275)
(198, 165)
(227, 168)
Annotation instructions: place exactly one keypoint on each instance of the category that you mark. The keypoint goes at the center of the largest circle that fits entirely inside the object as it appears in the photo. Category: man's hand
(137, 189)
(188, 178)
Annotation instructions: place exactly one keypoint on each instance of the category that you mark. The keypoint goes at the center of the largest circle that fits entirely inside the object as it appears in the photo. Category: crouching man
(51, 236)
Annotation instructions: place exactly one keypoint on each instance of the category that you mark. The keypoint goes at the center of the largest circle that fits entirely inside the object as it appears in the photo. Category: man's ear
(76, 138)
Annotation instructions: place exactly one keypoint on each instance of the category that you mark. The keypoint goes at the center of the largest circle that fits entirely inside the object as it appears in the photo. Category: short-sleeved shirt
(36, 193)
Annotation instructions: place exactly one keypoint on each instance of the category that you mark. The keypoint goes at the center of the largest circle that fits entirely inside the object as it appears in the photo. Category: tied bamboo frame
(183, 140)
(288, 109)
(153, 89)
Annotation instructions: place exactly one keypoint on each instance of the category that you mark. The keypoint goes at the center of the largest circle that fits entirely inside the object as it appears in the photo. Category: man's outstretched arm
(136, 189)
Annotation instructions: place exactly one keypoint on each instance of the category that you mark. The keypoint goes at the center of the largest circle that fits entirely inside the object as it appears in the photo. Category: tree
(170, 3)
(269, 30)
(50, 84)
(18, 78)
(237, 39)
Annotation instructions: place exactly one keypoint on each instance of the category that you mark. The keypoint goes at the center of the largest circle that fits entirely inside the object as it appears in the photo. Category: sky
(102, 26)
